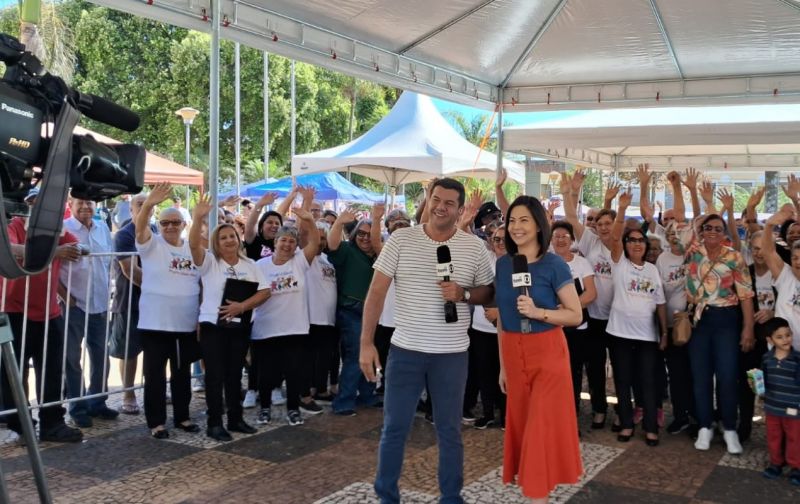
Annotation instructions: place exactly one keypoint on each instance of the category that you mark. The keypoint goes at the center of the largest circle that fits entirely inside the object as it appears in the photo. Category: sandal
(129, 409)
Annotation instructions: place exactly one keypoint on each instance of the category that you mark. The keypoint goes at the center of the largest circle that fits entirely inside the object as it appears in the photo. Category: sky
(515, 118)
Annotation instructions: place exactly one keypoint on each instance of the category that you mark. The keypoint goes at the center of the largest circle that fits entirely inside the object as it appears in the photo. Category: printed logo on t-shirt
(677, 274)
(283, 284)
(265, 251)
(181, 265)
(641, 286)
(765, 298)
(602, 268)
(795, 301)
(328, 273)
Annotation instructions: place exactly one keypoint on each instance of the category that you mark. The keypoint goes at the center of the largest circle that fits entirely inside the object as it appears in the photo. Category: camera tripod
(21, 402)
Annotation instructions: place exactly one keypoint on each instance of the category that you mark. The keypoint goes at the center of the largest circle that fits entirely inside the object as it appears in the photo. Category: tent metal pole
(616, 177)
(213, 149)
(500, 93)
(266, 116)
(294, 113)
(237, 85)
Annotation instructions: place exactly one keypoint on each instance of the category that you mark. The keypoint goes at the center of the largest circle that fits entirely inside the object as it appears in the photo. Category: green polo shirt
(353, 272)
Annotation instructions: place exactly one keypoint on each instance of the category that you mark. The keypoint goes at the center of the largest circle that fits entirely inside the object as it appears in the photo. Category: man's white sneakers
(732, 440)
(704, 437)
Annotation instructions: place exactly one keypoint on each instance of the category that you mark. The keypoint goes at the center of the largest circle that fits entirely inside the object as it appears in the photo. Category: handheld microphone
(521, 280)
(444, 269)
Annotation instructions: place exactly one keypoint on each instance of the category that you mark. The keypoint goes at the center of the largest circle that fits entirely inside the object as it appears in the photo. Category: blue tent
(329, 186)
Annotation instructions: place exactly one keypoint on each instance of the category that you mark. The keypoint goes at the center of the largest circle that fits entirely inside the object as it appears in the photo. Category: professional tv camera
(38, 114)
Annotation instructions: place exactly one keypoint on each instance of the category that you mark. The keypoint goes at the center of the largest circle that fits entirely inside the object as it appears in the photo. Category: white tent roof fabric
(411, 143)
(542, 54)
(716, 138)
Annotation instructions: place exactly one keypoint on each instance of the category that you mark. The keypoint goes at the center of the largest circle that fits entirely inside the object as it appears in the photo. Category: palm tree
(46, 35)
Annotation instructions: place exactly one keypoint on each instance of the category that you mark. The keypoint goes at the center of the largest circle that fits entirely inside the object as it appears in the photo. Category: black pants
(747, 399)
(325, 341)
(383, 340)
(596, 356)
(180, 349)
(487, 353)
(680, 381)
(51, 416)
(635, 360)
(224, 350)
(280, 358)
(579, 346)
(252, 371)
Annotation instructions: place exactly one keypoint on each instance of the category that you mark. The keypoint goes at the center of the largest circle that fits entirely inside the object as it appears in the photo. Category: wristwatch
(466, 295)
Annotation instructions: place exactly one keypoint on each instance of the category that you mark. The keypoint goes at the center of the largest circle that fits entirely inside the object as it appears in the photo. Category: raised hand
(229, 201)
(644, 175)
(378, 211)
(792, 188)
(756, 197)
(202, 208)
(576, 181)
(690, 178)
(726, 198)
(266, 200)
(707, 192)
(502, 175)
(552, 205)
(674, 178)
(347, 215)
(307, 192)
(612, 191)
(160, 192)
(779, 217)
(303, 214)
(625, 199)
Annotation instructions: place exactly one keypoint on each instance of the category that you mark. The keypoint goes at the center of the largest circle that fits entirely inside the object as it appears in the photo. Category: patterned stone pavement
(331, 460)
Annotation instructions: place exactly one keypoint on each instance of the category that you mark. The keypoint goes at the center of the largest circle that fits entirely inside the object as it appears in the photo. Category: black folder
(237, 290)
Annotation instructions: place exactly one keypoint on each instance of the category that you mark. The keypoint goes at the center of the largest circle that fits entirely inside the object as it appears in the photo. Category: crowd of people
(347, 307)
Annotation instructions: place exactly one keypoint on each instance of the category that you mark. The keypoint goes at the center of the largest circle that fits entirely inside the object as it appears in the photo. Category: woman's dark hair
(353, 232)
(711, 217)
(454, 185)
(784, 233)
(625, 237)
(539, 214)
(565, 226)
(769, 327)
(605, 211)
(264, 217)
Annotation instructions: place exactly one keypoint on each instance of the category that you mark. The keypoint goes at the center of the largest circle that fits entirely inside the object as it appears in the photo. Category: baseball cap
(485, 210)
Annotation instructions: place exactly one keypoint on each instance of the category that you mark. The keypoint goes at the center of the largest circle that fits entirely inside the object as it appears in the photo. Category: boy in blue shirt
(781, 367)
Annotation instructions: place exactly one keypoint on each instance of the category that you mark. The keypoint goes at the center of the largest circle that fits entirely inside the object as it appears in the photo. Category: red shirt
(37, 290)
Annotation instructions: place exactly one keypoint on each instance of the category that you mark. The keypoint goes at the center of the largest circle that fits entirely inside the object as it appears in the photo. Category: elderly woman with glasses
(353, 261)
(719, 287)
(168, 308)
(224, 322)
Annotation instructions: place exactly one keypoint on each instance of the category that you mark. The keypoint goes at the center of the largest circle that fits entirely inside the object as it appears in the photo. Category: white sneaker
(704, 437)
(250, 399)
(732, 440)
(277, 397)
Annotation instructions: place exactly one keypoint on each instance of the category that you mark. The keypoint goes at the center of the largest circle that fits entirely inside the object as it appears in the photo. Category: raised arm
(424, 212)
(250, 231)
(707, 193)
(726, 199)
(307, 221)
(373, 306)
(792, 190)
(678, 206)
(690, 181)
(335, 236)
(308, 193)
(751, 210)
(471, 208)
(570, 205)
(773, 260)
(286, 204)
(619, 226)
(375, 237)
(199, 216)
(161, 191)
(611, 193)
(645, 209)
(502, 201)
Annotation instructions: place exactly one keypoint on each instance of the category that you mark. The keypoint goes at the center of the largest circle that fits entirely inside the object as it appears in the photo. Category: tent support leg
(500, 94)
(213, 151)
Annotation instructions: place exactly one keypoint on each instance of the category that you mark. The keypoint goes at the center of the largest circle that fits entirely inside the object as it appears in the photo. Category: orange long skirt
(541, 440)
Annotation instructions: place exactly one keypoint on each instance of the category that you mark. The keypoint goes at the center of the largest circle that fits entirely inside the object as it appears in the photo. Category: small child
(781, 367)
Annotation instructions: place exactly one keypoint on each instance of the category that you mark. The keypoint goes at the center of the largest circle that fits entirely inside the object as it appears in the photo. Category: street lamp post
(187, 114)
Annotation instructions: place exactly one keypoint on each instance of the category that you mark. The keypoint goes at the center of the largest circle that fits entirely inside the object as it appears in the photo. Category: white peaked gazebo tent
(412, 143)
(736, 138)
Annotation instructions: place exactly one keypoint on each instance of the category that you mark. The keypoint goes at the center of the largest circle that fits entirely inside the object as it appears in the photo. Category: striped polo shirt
(409, 257)
(782, 381)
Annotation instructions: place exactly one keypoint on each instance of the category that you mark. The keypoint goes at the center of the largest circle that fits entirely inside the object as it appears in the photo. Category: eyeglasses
(362, 234)
(589, 219)
(165, 223)
(497, 239)
(636, 240)
(715, 229)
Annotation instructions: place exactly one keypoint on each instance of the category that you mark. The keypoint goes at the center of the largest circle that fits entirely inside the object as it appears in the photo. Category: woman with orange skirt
(541, 438)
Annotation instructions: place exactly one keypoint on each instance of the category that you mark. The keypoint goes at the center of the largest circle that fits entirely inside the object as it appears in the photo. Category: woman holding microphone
(541, 439)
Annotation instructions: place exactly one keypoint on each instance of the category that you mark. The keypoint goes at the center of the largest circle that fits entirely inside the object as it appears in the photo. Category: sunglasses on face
(165, 223)
(716, 229)
(636, 240)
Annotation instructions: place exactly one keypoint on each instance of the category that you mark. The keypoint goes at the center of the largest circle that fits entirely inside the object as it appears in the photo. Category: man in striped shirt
(425, 348)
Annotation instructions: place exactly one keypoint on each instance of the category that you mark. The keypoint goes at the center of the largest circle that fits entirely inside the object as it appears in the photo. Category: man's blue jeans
(407, 374)
(97, 359)
(353, 387)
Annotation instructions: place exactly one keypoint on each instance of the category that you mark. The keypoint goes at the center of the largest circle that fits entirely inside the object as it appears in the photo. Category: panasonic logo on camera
(17, 111)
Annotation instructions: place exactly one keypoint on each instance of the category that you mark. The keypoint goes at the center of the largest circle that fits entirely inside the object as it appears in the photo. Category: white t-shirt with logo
(285, 312)
(765, 294)
(580, 269)
(479, 320)
(170, 287)
(214, 272)
(321, 292)
(787, 304)
(599, 258)
(637, 291)
(673, 276)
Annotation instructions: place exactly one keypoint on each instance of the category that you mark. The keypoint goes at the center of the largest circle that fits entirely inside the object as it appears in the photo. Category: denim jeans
(407, 374)
(97, 358)
(714, 352)
(353, 387)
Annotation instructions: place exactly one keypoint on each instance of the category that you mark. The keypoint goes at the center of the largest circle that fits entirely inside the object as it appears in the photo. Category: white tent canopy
(741, 138)
(411, 143)
(529, 55)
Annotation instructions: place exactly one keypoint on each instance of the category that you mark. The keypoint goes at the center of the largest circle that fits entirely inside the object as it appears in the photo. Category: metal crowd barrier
(68, 267)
